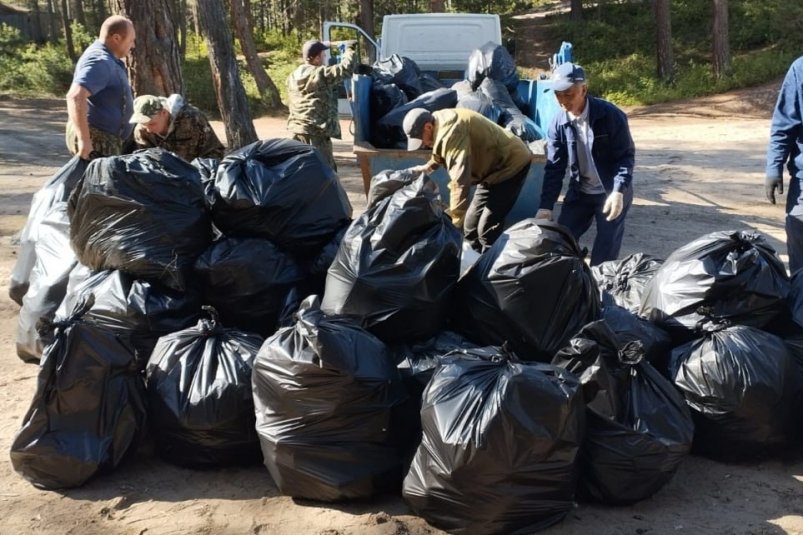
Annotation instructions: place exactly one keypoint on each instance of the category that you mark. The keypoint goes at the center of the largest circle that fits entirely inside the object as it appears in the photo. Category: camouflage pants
(102, 142)
(323, 144)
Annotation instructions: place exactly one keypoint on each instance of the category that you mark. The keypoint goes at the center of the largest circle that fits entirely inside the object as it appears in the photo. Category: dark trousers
(794, 241)
(580, 209)
(485, 217)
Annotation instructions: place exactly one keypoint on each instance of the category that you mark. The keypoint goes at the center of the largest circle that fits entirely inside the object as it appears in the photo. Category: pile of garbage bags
(355, 358)
(491, 89)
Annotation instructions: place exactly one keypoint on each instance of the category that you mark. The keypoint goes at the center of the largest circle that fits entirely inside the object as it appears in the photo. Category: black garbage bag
(501, 439)
(740, 383)
(622, 281)
(417, 362)
(388, 133)
(733, 276)
(385, 97)
(531, 289)
(144, 214)
(639, 427)
(88, 412)
(207, 167)
(281, 190)
(325, 394)
(429, 83)
(247, 280)
(492, 61)
(401, 71)
(200, 404)
(479, 102)
(794, 303)
(512, 117)
(54, 260)
(56, 190)
(136, 310)
(397, 264)
(656, 342)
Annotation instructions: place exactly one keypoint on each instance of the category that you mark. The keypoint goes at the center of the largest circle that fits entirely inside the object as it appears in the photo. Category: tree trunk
(35, 21)
(65, 21)
(242, 27)
(182, 29)
(155, 66)
(663, 40)
(367, 16)
(231, 99)
(577, 10)
(77, 11)
(437, 6)
(721, 42)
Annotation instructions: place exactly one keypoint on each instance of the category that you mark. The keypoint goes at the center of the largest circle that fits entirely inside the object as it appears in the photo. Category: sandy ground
(699, 169)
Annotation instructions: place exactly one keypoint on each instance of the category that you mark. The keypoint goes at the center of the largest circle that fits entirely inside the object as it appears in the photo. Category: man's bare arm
(78, 112)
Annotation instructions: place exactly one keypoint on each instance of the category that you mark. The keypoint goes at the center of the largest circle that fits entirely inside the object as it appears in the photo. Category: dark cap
(312, 48)
(566, 75)
(413, 126)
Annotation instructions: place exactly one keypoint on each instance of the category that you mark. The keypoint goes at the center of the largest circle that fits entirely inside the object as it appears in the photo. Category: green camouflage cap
(145, 107)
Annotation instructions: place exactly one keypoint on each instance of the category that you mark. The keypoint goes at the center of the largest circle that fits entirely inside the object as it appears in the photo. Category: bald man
(100, 101)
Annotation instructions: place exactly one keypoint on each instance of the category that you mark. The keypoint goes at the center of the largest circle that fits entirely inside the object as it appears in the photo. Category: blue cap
(566, 75)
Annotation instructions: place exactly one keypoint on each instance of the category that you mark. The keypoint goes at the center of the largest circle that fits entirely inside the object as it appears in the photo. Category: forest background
(636, 52)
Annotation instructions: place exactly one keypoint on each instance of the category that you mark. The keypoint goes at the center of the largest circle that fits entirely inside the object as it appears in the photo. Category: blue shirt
(613, 151)
(111, 103)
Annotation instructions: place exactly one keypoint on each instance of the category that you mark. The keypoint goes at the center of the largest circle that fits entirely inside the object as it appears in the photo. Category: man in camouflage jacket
(174, 125)
(312, 90)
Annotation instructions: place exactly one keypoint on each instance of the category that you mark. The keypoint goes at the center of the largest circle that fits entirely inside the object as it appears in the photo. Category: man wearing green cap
(174, 125)
(312, 91)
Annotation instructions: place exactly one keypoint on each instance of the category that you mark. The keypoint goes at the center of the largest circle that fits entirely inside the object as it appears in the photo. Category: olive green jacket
(474, 150)
(312, 93)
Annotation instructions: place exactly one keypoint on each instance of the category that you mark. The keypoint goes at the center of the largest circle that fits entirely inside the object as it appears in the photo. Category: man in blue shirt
(591, 138)
(786, 147)
(100, 101)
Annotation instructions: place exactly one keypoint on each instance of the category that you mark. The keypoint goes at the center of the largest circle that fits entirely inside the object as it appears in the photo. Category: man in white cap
(591, 138)
(475, 151)
(174, 125)
(312, 95)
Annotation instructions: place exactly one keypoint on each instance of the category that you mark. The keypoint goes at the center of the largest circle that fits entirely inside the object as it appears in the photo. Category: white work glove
(613, 205)
(543, 213)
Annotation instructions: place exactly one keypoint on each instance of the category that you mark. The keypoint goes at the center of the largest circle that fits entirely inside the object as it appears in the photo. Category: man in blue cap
(591, 138)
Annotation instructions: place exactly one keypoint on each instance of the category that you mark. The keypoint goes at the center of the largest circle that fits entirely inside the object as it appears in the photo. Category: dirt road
(699, 169)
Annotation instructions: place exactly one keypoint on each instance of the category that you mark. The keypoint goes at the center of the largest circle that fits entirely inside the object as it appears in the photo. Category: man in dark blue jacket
(786, 146)
(589, 137)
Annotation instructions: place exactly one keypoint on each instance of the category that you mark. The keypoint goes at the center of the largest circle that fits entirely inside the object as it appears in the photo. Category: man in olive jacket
(475, 151)
(312, 92)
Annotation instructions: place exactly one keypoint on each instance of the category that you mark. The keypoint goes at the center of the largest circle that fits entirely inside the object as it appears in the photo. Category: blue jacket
(613, 151)
(786, 131)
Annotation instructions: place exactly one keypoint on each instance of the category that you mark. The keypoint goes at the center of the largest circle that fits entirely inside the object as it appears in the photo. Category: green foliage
(199, 88)
(764, 36)
(81, 38)
(32, 70)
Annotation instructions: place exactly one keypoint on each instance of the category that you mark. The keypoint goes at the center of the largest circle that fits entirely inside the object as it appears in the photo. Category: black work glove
(771, 183)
